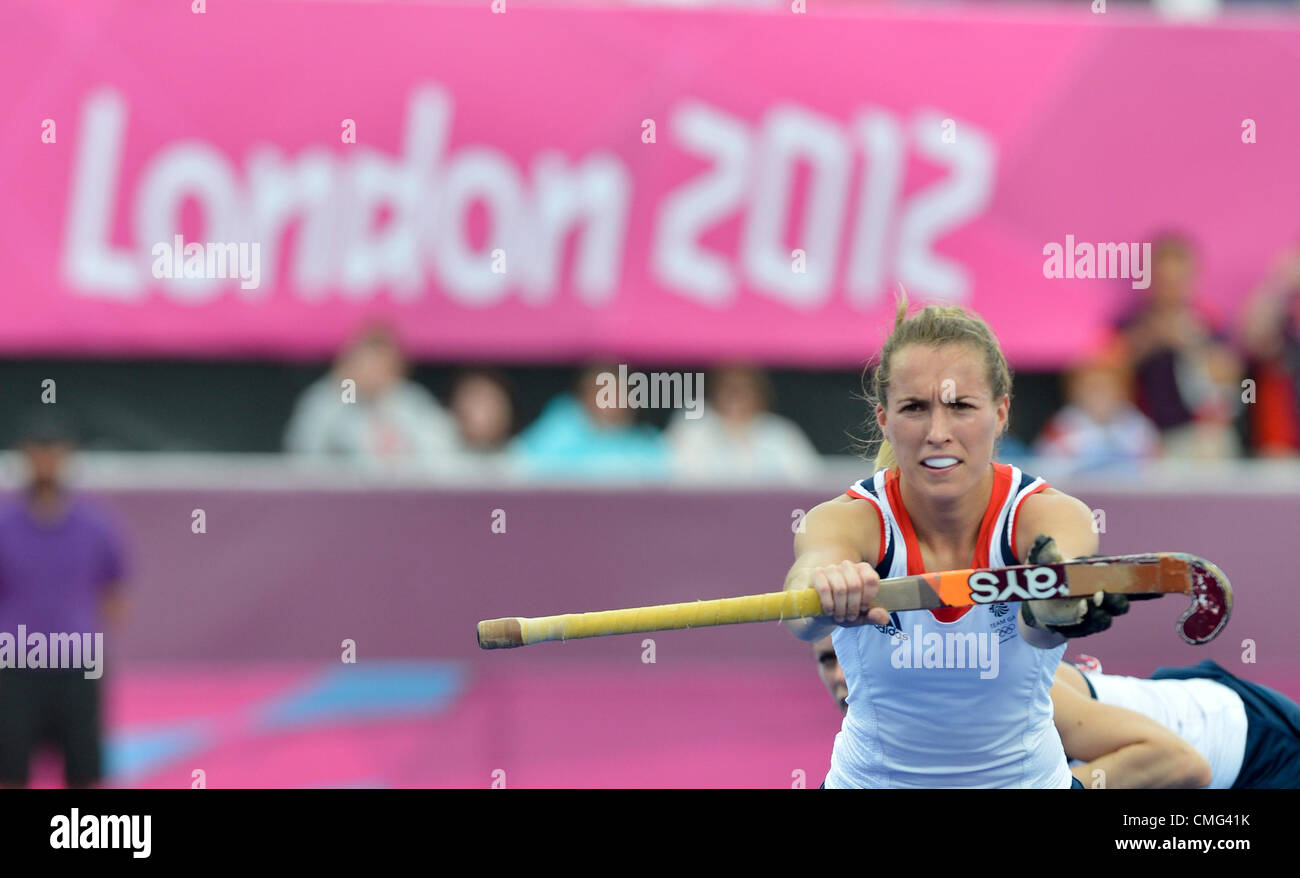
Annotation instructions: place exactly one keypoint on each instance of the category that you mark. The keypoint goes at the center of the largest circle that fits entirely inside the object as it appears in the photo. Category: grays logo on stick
(1024, 584)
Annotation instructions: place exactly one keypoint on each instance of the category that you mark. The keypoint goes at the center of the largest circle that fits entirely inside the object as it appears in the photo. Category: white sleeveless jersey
(1205, 714)
(947, 698)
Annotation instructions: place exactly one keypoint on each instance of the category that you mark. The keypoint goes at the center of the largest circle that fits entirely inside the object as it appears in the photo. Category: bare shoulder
(1056, 514)
(844, 521)
(1050, 501)
(850, 513)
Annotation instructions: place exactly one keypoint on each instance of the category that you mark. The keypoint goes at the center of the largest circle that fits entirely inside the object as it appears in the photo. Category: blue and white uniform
(950, 697)
(1250, 734)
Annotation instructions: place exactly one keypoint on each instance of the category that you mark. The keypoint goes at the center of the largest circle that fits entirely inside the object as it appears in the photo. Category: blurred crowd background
(1170, 379)
(1173, 377)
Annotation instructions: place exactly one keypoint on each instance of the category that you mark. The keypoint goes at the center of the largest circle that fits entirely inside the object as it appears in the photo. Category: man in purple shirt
(61, 561)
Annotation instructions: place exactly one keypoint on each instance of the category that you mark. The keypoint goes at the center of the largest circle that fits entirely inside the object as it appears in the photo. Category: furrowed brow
(904, 400)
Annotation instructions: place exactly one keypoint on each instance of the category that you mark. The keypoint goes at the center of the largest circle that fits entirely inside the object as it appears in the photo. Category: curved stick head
(1211, 603)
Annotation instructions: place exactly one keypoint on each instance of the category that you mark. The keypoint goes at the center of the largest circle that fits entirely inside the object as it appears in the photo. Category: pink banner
(262, 178)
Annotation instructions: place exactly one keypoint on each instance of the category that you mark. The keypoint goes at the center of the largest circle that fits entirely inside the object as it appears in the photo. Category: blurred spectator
(1099, 426)
(383, 416)
(736, 436)
(484, 411)
(1270, 333)
(1188, 378)
(482, 404)
(577, 437)
(61, 565)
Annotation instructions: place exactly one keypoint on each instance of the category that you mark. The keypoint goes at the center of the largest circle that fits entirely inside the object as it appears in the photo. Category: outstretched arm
(830, 556)
(1130, 750)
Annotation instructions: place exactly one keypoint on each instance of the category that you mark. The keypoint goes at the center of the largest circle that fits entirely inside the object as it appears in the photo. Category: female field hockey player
(970, 706)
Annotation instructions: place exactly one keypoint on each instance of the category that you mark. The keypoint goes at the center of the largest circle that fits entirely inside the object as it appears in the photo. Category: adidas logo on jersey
(893, 628)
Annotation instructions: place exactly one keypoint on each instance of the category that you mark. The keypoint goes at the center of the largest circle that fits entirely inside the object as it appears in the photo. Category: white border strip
(274, 472)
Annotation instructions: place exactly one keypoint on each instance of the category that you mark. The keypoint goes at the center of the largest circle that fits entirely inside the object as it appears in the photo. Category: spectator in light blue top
(576, 437)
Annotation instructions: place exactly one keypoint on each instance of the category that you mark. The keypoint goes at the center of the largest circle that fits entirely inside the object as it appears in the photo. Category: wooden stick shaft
(695, 614)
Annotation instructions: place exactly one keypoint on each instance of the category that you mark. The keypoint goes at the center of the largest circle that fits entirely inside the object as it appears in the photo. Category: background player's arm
(1133, 751)
(1067, 520)
(112, 605)
(830, 551)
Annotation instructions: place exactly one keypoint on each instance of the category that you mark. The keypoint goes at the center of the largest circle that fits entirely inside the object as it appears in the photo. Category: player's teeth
(939, 462)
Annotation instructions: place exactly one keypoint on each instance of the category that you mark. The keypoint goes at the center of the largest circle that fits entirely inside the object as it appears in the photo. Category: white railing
(276, 472)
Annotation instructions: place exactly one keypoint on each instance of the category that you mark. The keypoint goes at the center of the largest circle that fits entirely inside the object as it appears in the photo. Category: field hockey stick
(1153, 574)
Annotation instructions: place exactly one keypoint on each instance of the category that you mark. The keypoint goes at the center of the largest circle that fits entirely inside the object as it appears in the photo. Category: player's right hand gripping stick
(1071, 617)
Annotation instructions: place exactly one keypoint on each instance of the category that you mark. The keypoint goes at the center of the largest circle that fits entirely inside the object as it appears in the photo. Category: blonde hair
(933, 325)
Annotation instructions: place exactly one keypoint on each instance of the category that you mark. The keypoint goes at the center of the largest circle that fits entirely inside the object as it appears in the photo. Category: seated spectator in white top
(484, 412)
(367, 410)
(1099, 425)
(736, 437)
(483, 406)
